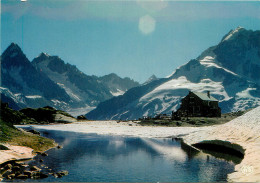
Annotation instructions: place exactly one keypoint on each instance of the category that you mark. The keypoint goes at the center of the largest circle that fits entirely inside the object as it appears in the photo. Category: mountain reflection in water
(104, 158)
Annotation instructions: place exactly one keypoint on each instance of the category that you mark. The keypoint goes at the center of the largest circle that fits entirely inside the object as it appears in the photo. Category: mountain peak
(14, 45)
(150, 79)
(41, 58)
(153, 77)
(14, 55)
(13, 48)
(233, 33)
(42, 54)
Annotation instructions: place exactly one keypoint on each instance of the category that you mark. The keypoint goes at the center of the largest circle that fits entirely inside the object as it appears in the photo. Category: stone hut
(197, 104)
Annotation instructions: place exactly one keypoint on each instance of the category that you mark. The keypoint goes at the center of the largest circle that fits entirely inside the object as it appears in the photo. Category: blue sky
(130, 38)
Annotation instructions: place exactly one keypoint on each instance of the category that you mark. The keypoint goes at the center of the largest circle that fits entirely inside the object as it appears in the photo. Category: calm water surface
(103, 158)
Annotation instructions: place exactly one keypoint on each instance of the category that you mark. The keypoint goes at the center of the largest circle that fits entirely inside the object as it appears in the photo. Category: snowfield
(245, 131)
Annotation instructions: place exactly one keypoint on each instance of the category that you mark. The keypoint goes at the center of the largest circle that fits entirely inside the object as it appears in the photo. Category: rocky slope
(43, 115)
(83, 89)
(116, 85)
(229, 70)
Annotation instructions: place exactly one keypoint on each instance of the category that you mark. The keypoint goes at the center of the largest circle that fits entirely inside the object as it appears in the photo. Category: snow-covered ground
(122, 128)
(15, 152)
(245, 131)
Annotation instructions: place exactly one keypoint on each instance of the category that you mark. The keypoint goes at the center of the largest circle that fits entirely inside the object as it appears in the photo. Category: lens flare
(147, 24)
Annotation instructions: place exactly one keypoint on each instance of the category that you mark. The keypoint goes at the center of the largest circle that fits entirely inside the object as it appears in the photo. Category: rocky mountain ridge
(49, 81)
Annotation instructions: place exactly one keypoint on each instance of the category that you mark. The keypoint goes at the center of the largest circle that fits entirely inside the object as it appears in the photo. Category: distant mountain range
(48, 80)
(229, 70)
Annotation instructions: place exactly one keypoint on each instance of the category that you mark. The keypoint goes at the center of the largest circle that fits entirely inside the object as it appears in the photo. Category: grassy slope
(13, 136)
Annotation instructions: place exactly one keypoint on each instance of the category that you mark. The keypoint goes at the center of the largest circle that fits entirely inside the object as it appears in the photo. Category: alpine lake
(106, 158)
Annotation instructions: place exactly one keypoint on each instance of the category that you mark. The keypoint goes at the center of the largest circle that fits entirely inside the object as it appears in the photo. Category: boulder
(34, 132)
(55, 175)
(82, 117)
(35, 175)
(22, 176)
(6, 173)
(35, 168)
(29, 173)
(24, 166)
(11, 176)
(62, 173)
(2, 147)
(43, 175)
(8, 166)
(2, 170)
(16, 168)
(44, 154)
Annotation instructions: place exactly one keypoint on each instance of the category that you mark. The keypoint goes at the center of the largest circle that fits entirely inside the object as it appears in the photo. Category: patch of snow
(174, 86)
(69, 92)
(57, 102)
(80, 111)
(125, 112)
(33, 96)
(117, 93)
(246, 93)
(244, 104)
(146, 113)
(114, 116)
(17, 98)
(230, 35)
(209, 61)
(62, 80)
(244, 100)
(46, 54)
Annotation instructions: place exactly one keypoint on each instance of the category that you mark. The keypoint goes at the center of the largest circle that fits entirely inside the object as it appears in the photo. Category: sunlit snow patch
(117, 93)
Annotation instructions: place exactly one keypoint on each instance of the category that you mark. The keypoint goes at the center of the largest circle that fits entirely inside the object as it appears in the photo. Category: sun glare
(147, 24)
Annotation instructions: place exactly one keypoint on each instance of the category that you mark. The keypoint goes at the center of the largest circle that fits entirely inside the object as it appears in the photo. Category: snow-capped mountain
(83, 89)
(48, 80)
(230, 71)
(22, 80)
(117, 85)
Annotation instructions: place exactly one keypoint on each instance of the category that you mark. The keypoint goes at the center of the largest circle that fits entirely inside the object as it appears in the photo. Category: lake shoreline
(242, 131)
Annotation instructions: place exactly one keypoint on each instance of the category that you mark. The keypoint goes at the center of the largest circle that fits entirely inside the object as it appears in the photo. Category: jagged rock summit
(150, 79)
(24, 83)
